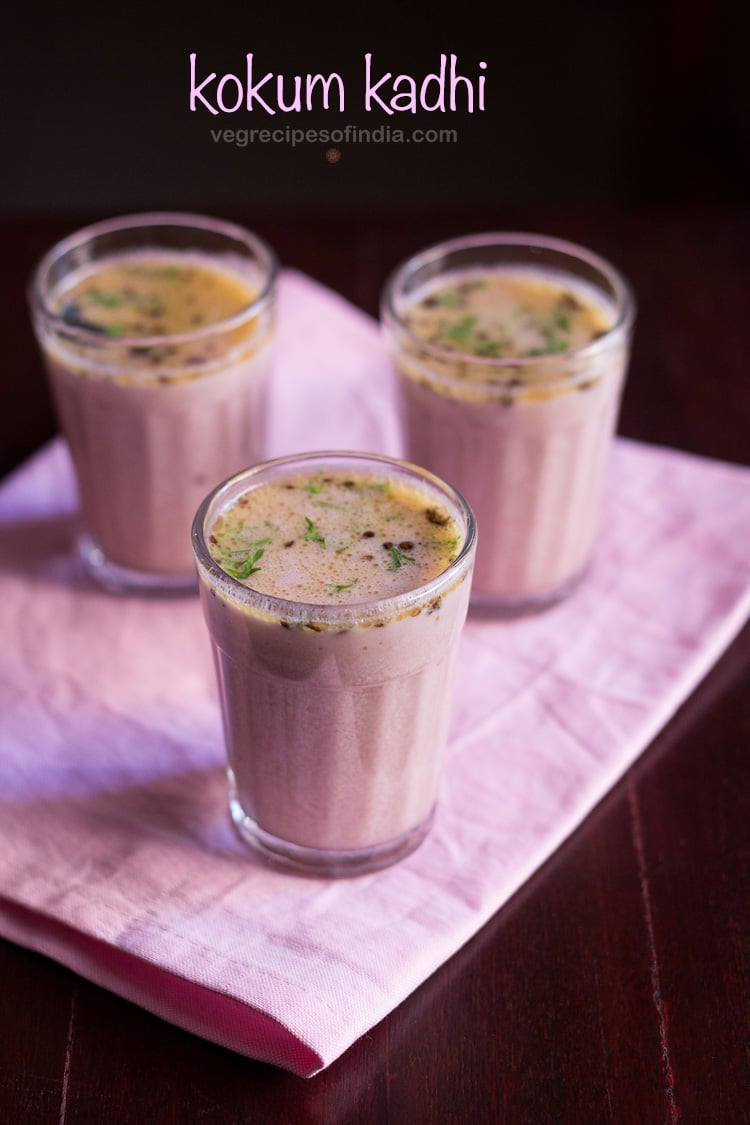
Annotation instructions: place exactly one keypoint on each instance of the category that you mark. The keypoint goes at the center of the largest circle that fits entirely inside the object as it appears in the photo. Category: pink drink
(156, 331)
(512, 352)
(335, 685)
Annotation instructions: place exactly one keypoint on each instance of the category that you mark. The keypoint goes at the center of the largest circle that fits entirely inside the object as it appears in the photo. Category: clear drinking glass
(153, 417)
(524, 437)
(335, 716)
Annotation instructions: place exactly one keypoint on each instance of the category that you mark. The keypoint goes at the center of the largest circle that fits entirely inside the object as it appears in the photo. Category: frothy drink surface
(525, 442)
(511, 314)
(333, 538)
(153, 421)
(152, 295)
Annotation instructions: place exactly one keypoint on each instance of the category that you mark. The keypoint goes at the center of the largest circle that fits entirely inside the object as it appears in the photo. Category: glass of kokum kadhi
(511, 352)
(156, 331)
(335, 587)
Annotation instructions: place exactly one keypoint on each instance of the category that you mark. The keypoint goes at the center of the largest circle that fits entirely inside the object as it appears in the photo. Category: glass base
(122, 580)
(484, 604)
(324, 862)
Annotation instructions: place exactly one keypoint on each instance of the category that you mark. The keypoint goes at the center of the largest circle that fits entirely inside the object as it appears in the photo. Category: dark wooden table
(614, 986)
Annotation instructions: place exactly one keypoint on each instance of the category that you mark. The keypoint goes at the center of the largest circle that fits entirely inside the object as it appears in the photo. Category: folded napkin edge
(195, 1008)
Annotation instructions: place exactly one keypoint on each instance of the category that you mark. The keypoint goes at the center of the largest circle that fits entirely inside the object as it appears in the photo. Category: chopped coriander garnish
(554, 343)
(248, 567)
(461, 330)
(489, 349)
(499, 316)
(447, 298)
(337, 587)
(550, 329)
(399, 558)
(242, 542)
(106, 300)
(436, 543)
(312, 534)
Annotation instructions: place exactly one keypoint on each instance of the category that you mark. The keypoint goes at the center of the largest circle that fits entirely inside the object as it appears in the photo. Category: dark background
(623, 125)
(589, 105)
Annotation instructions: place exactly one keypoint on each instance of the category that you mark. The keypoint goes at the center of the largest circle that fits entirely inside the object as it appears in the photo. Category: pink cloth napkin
(116, 853)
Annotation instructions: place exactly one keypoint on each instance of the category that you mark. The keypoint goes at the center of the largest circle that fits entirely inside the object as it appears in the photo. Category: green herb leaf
(461, 330)
(399, 558)
(248, 567)
(437, 543)
(105, 300)
(312, 534)
(488, 348)
(550, 328)
(337, 587)
(555, 344)
(447, 298)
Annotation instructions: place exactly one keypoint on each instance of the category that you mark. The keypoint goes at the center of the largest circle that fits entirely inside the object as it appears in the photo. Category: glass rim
(625, 303)
(144, 220)
(351, 613)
